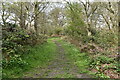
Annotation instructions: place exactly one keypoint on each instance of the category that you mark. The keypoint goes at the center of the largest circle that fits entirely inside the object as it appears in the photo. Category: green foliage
(106, 39)
(15, 39)
(103, 63)
(39, 56)
(40, 53)
(15, 61)
(65, 75)
(15, 43)
(101, 75)
(58, 31)
(101, 60)
(74, 14)
(76, 27)
(79, 59)
(36, 39)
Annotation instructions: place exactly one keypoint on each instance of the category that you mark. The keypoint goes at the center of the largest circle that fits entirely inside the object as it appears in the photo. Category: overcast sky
(58, 0)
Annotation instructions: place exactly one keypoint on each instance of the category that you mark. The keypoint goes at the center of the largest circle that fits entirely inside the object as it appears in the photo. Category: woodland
(59, 40)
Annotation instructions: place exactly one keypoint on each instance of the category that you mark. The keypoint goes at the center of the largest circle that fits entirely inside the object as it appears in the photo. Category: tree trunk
(22, 18)
(35, 18)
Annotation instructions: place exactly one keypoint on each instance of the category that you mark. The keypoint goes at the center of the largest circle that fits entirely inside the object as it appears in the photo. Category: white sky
(57, 0)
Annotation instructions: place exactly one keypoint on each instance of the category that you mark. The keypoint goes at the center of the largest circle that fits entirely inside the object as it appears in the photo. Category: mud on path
(60, 67)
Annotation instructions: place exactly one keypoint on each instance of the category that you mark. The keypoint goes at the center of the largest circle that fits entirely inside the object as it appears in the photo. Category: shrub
(15, 43)
(58, 31)
(106, 39)
(101, 60)
(15, 61)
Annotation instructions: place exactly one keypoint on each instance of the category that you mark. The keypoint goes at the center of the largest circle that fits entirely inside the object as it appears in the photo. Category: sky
(57, 0)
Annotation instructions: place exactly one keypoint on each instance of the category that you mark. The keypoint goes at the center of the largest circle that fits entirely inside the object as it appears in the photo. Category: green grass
(54, 38)
(38, 56)
(65, 75)
(41, 54)
(81, 60)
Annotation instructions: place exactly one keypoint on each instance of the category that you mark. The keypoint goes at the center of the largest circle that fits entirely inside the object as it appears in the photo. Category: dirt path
(61, 67)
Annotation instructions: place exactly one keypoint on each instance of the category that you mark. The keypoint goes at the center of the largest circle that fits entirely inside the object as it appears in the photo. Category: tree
(110, 14)
(5, 13)
(76, 26)
(55, 14)
(19, 14)
(38, 8)
(89, 10)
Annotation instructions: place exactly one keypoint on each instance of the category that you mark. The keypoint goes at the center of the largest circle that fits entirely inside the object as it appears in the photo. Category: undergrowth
(37, 56)
(81, 60)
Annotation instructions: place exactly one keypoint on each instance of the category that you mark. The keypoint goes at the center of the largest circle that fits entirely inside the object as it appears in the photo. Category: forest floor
(61, 67)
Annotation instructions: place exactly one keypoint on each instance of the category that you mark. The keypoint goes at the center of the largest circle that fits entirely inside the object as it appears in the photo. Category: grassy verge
(38, 56)
(81, 60)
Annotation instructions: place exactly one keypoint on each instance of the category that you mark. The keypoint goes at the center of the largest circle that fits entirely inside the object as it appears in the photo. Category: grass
(54, 38)
(81, 60)
(38, 56)
(65, 75)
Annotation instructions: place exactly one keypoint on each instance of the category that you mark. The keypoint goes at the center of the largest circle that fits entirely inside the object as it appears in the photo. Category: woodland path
(60, 67)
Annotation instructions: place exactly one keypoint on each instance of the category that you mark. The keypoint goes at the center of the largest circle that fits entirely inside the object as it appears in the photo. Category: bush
(106, 39)
(101, 60)
(15, 43)
(58, 31)
(15, 61)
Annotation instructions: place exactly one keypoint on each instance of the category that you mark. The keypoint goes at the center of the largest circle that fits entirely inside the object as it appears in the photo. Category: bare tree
(5, 13)
(38, 8)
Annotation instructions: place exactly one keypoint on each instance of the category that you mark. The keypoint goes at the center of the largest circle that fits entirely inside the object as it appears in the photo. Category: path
(61, 67)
